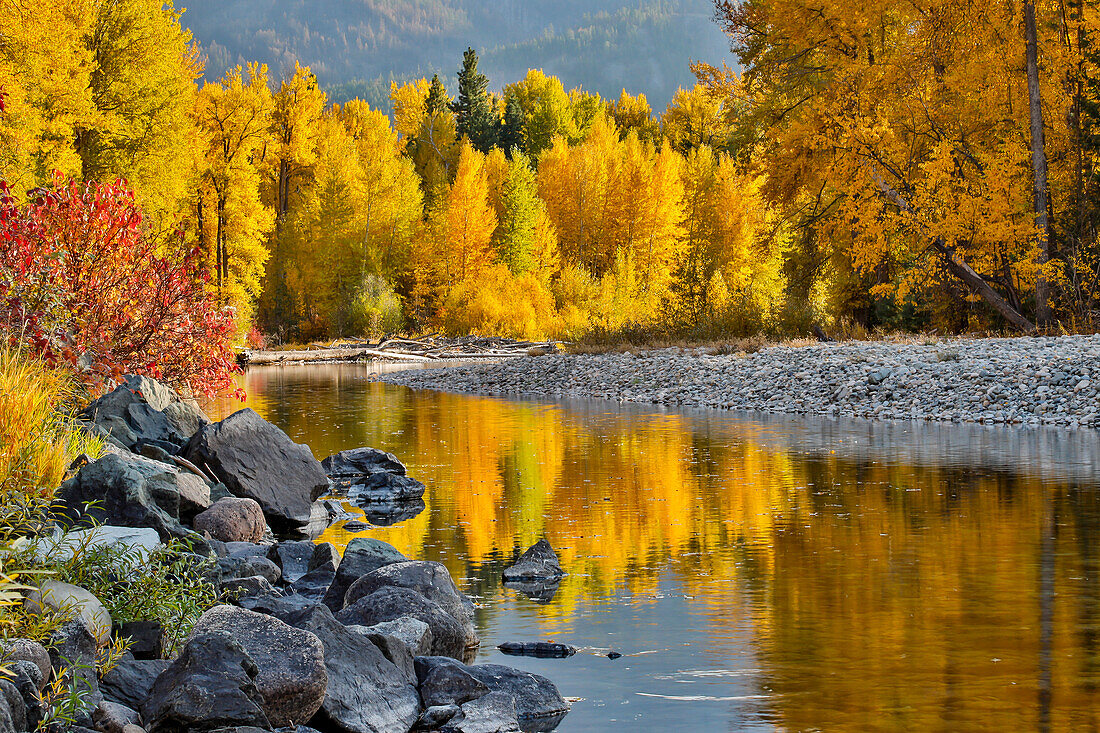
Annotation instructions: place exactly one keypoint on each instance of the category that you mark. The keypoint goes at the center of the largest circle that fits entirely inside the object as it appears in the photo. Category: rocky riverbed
(1029, 381)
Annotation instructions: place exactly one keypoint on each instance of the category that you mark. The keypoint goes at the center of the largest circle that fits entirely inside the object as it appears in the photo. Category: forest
(866, 169)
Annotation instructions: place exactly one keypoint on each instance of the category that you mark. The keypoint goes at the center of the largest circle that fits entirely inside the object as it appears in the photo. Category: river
(756, 572)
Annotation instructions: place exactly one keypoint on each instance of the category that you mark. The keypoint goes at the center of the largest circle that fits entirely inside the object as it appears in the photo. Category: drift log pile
(424, 349)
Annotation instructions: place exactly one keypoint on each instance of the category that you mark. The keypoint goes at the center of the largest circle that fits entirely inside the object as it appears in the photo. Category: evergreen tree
(510, 135)
(473, 109)
(437, 97)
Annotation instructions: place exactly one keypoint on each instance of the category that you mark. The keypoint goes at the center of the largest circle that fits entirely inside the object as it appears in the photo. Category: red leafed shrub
(81, 285)
(255, 339)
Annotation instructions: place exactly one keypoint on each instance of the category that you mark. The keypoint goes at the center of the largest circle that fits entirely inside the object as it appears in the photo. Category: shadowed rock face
(256, 460)
(392, 603)
(539, 563)
(538, 704)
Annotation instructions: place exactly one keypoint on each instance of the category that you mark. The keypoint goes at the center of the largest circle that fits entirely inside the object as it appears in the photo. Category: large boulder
(292, 677)
(362, 555)
(128, 491)
(370, 475)
(144, 410)
(431, 580)
(294, 558)
(386, 488)
(491, 713)
(131, 681)
(62, 546)
(538, 563)
(26, 650)
(233, 520)
(536, 698)
(392, 603)
(413, 633)
(212, 684)
(367, 692)
(256, 460)
(54, 595)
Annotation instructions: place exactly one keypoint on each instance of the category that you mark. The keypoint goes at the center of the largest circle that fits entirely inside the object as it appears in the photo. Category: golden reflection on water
(877, 594)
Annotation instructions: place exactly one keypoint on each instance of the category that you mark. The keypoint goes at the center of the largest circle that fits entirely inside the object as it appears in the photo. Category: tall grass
(37, 439)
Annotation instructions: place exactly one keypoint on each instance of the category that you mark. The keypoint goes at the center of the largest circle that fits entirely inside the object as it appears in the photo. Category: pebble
(1032, 380)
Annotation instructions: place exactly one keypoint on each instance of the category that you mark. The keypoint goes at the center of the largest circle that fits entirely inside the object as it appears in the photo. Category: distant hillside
(357, 46)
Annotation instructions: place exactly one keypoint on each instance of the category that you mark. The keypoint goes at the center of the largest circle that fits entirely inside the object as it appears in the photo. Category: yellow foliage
(503, 304)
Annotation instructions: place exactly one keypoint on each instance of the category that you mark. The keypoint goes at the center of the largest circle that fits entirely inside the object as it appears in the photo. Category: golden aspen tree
(234, 117)
(295, 119)
(410, 105)
(470, 221)
(695, 117)
(546, 110)
(633, 114)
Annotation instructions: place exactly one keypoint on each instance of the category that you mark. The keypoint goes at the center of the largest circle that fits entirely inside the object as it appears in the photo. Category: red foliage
(80, 284)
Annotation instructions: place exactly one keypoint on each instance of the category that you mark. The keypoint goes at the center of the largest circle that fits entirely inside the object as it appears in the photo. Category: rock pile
(1028, 381)
(368, 643)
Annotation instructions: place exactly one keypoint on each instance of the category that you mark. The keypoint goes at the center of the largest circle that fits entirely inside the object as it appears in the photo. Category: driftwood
(399, 349)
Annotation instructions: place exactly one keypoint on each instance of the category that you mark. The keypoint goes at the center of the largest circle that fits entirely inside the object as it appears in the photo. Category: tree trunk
(1038, 163)
(958, 267)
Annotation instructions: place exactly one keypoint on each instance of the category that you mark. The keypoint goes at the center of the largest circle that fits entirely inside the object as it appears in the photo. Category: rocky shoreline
(366, 642)
(1022, 381)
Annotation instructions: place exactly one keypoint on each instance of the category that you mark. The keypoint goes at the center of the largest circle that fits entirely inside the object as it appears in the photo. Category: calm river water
(758, 573)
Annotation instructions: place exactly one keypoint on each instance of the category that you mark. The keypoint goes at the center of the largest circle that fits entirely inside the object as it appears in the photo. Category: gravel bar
(1030, 381)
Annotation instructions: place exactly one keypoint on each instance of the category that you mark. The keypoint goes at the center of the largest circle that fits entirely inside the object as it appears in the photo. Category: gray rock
(536, 698)
(256, 460)
(7, 720)
(293, 558)
(366, 692)
(233, 520)
(17, 707)
(413, 633)
(391, 603)
(238, 590)
(448, 684)
(73, 649)
(146, 638)
(314, 584)
(541, 649)
(210, 685)
(492, 713)
(362, 555)
(538, 563)
(142, 409)
(352, 465)
(58, 596)
(292, 678)
(131, 681)
(435, 717)
(247, 566)
(60, 547)
(431, 580)
(324, 556)
(16, 650)
(28, 681)
(386, 488)
(111, 717)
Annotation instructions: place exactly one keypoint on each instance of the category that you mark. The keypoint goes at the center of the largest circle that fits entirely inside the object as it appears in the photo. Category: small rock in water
(355, 526)
(540, 562)
(613, 655)
(543, 649)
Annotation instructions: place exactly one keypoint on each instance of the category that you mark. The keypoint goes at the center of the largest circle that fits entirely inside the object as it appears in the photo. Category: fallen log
(257, 358)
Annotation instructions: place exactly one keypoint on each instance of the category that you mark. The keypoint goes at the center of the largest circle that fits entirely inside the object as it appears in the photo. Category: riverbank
(1027, 381)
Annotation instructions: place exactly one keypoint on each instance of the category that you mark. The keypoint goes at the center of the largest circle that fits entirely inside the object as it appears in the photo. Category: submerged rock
(352, 465)
(543, 649)
(538, 704)
(539, 563)
(389, 513)
(256, 460)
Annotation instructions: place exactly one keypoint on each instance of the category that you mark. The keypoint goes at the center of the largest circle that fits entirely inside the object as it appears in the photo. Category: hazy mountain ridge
(356, 46)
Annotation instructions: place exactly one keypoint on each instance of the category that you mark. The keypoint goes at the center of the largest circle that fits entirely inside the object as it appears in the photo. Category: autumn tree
(474, 111)
(466, 239)
(232, 223)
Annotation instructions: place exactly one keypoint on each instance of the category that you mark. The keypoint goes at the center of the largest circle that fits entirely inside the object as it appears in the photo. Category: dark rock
(210, 685)
(392, 603)
(366, 692)
(110, 717)
(324, 556)
(362, 555)
(351, 465)
(387, 514)
(130, 492)
(17, 707)
(144, 409)
(15, 650)
(278, 606)
(73, 648)
(315, 583)
(247, 549)
(353, 526)
(238, 590)
(541, 649)
(392, 649)
(293, 558)
(131, 681)
(385, 487)
(535, 696)
(448, 684)
(613, 655)
(540, 591)
(429, 579)
(292, 677)
(247, 566)
(492, 713)
(540, 562)
(256, 460)
(28, 681)
(233, 520)
(146, 638)
(434, 717)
